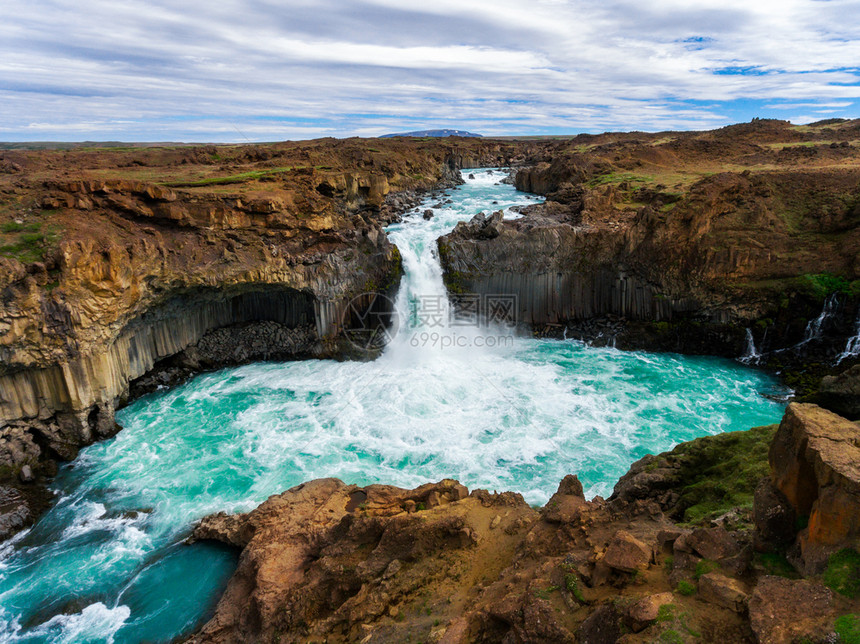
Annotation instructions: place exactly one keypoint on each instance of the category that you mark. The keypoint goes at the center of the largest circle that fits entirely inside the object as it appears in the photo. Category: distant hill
(434, 133)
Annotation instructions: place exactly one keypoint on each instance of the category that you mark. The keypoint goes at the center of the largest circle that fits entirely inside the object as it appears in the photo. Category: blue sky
(266, 70)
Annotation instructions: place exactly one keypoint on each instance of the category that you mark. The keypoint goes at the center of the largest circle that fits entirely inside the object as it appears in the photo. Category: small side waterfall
(814, 327)
(852, 347)
(752, 356)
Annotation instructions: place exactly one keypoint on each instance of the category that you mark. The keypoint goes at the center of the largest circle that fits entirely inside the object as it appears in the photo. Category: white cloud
(297, 68)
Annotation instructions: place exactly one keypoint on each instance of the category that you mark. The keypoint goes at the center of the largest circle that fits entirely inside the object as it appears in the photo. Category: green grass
(571, 582)
(242, 177)
(822, 285)
(843, 573)
(686, 588)
(847, 627)
(14, 227)
(666, 613)
(718, 473)
(704, 567)
(545, 593)
(619, 177)
(776, 564)
(671, 637)
(26, 242)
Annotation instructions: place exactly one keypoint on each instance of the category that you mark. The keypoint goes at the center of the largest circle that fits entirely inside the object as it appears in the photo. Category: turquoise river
(107, 564)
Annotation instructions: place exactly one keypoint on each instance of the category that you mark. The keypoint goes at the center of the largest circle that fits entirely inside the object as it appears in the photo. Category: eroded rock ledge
(338, 563)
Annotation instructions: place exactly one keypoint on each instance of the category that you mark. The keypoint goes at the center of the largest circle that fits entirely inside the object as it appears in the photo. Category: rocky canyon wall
(203, 270)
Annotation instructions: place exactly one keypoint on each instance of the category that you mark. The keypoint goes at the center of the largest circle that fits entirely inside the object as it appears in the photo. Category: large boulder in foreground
(815, 464)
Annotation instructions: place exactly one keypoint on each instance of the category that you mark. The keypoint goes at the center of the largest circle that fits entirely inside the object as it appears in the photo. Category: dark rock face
(841, 393)
(14, 512)
(815, 460)
(774, 516)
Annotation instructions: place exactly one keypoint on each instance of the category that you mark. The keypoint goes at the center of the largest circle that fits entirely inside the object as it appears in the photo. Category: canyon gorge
(710, 273)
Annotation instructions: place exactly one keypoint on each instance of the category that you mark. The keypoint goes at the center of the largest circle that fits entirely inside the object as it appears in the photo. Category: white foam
(95, 623)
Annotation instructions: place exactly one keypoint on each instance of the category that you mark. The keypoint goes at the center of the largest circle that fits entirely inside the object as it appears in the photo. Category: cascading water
(814, 328)
(852, 347)
(446, 399)
(752, 356)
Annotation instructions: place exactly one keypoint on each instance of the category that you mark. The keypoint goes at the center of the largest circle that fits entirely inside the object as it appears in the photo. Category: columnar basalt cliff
(746, 227)
(113, 264)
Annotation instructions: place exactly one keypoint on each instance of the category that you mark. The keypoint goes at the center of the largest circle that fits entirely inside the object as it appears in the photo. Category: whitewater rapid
(455, 400)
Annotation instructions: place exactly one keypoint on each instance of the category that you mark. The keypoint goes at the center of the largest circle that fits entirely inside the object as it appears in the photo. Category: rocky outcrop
(326, 557)
(815, 463)
(15, 512)
(331, 561)
(841, 393)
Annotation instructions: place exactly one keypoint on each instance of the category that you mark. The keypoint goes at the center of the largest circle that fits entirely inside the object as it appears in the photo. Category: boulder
(626, 553)
(713, 543)
(723, 591)
(786, 610)
(17, 447)
(563, 505)
(815, 463)
(641, 614)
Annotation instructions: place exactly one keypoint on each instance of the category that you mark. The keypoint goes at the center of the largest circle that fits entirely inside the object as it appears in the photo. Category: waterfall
(852, 347)
(814, 327)
(752, 356)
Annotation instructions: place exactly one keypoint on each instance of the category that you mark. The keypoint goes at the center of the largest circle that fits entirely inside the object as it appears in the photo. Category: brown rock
(325, 558)
(603, 626)
(627, 553)
(643, 613)
(723, 591)
(783, 611)
(713, 543)
(563, 505)
(815, 463)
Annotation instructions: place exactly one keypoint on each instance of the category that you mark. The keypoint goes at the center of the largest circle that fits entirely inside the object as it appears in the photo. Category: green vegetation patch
(704, 567)
(571, 582)
(619, 177)
(718, 473)
(848, 629)
(235, 178)
(775, 563)
(686, 588)
(843, 573)
(821, 285)
(26, 242)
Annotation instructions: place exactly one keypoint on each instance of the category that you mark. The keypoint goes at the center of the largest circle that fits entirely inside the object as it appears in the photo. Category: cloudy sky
(264, 70)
